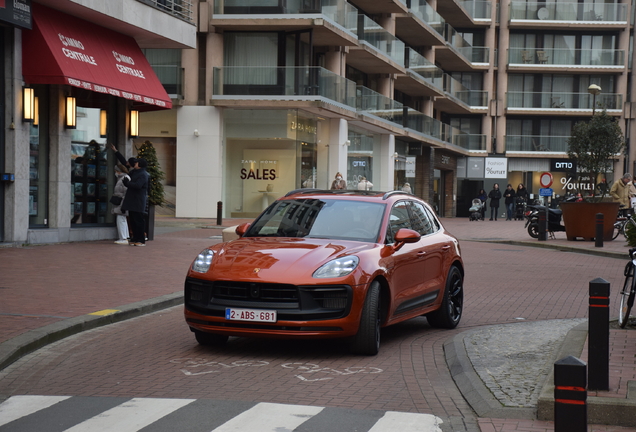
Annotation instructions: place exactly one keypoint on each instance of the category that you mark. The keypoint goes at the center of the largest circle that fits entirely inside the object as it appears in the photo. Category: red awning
(62, 49)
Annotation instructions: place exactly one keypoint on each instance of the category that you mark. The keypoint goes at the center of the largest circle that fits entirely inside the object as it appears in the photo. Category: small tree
(148, 152)
(594, 145)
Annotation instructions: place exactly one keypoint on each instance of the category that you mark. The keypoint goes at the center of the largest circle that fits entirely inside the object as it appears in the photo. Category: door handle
(421, 254)
(445, 248)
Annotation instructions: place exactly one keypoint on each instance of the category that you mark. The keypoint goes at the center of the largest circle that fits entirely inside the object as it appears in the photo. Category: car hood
(276, 259)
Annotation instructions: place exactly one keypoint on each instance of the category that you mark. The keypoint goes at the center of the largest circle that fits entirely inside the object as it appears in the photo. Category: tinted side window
(399, 219)
(434, 222)
(421, 222)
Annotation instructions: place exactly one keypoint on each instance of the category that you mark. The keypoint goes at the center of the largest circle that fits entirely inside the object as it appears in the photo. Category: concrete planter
(580, 219)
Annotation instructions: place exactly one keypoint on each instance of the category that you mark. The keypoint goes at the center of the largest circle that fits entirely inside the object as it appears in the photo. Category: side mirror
(405, 235)
(242, 229)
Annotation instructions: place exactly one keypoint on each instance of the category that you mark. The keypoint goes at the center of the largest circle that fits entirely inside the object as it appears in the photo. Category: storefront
(84, 86)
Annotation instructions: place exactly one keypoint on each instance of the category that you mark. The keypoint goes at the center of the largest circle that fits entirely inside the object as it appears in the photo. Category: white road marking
(407, 422)
(20, 406)
(131, 416)
(268, 417)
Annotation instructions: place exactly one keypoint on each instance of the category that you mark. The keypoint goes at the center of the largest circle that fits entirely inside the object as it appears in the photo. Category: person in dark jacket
(509, 194)
(495, 196)
(135, 200)
(522, 192)
(483, 197)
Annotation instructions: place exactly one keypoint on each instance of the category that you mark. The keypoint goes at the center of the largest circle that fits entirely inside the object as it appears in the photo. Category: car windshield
(320, 218)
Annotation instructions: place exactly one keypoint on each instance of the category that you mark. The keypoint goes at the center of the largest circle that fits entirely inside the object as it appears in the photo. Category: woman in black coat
(495, 196)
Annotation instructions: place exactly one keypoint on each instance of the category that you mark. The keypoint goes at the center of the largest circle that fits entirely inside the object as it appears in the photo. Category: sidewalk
(69, 288)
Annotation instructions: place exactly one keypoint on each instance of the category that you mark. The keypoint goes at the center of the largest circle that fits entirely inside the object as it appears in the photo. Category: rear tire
(367, 341)
(210, 339)
(627, 296)
(533, 230)
(450, 312)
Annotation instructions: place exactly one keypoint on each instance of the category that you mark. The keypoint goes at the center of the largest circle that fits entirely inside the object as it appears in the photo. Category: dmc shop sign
(496, 168)
(562, 165)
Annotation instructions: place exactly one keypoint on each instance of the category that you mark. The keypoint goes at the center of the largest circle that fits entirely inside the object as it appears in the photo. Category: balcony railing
(339, 11)
(427, 14)
(475, 54)
(479, 10)
(182, 9)
(563, 100)
(473, 98)
(288, 81)
(567, 57)
(375, 35)
(426, 69)
(537, 143)
(568, 11)
(171, 77)
(471, 142)
(378, 105)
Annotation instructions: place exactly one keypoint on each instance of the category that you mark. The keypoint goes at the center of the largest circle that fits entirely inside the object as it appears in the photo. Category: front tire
(210, 339)
(367, 340)
(533, 230)
(450, 312)
(627, 296)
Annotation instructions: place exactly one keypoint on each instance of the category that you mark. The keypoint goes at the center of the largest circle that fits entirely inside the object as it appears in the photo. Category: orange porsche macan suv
(328, 264)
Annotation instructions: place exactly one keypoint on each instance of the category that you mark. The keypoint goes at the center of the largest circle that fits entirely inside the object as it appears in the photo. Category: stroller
(520, 208)
(476, 210)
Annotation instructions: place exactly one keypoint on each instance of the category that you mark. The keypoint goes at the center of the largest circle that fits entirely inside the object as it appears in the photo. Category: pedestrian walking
(620, 191)
(509, 195)
(495, 196)
(136, 199)
(119, 193)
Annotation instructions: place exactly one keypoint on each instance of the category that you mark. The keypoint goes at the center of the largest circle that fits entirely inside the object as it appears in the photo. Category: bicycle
(629, 290)
(622, 222)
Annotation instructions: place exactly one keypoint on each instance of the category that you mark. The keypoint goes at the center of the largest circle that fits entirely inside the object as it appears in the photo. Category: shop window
(92, 171)
(359, 158)
(38, 167)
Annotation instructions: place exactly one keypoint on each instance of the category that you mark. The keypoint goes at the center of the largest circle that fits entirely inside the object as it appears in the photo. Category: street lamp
(594, 90)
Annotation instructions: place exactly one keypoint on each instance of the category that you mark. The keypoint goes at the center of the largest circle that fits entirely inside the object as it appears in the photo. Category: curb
(595, 252)
(600, 410)
(26, 343)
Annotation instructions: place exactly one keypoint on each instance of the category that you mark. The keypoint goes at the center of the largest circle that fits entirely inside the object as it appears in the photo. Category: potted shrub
(594, 144)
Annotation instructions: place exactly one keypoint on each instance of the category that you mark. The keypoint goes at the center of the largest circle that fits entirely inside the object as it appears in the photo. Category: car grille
(292, 302)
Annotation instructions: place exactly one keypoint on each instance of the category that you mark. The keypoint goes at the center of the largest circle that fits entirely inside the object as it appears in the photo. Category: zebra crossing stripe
(407, 422)
(19, 406)
(131, 416)
(268, 417)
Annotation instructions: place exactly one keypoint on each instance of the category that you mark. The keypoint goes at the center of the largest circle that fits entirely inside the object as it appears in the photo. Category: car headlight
(338, 267)
(202, 263)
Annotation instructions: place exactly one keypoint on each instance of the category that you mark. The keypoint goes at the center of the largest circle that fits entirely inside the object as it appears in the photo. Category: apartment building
(447, 95)
(74, 78)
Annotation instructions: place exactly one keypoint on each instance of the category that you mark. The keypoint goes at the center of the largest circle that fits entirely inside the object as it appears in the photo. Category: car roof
(298, 193)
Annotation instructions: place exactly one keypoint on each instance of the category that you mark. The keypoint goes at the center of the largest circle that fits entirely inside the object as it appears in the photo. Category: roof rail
(395, 192)
(303, 190)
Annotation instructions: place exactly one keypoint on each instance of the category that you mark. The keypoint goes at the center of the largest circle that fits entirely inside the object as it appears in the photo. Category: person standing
(522, 192)
(407, 188)
(509, 194)
(365, 184)
(495, 196)
(483, 197)
(135, 201)
(339, 183)
(121, 216)
(620, 191)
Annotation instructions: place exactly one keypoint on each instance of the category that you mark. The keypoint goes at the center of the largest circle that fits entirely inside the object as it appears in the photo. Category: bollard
(570, 395)
(219, 213)
(543, 235)
(598, 239)
(598, 331)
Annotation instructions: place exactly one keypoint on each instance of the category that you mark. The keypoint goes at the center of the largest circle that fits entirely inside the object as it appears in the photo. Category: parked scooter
(554, 218)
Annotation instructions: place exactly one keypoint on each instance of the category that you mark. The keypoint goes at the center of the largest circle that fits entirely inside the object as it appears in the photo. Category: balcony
(378, 50)
(334, 22)
(374, 104)
(458, 55)
(422, 77)
(536, 143)
(562, 103)
(421, 26)
(469, 13)
(572, 14)
(302, 87)
(181, 9)
(564, 59)
(470, 142)
(171, 77)
(382, 7)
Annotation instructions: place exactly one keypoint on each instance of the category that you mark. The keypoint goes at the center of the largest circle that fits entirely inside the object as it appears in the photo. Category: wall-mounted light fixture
(28, 104)
(134, 123)
(103, 123)
(36, 111)
(71, 112)
(196, 132)
(347, 143)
